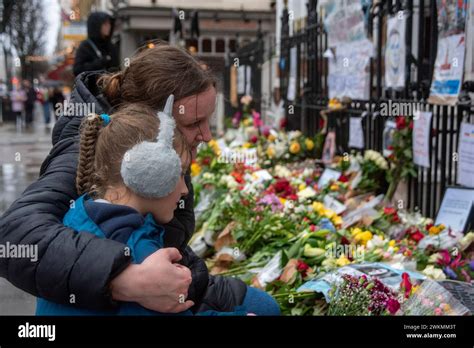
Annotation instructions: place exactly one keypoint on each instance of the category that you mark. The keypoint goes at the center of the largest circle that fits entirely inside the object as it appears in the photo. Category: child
(131, 178)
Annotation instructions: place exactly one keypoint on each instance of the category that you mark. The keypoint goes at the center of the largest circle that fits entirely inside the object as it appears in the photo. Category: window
(220, 46)
(207, 45)
(232, 45)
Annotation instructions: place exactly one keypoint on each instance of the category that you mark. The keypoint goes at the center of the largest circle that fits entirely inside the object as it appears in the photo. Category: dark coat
(96, 53)
(66, 258)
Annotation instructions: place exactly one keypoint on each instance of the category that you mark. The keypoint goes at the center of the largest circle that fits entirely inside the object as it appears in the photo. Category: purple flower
(471, 265)
(271, 199)
(450, 273)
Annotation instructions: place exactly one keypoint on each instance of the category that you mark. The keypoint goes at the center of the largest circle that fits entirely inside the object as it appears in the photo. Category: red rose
(393, 305)
(282, 185)
(312, 228)
(401, 122)
(292, 197)
(206, 161)
(343, 178)
(406, 284)
(417, 236)
(411, 125)
(345, 241)
(395, 218)
(302, 267)
(389, 147)
(254, 139)
(321, 123)
(389, 210)
(428, 226)
(237, 177)
(283, 123)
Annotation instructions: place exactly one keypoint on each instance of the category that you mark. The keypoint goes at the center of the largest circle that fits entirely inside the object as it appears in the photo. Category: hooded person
(97, 52)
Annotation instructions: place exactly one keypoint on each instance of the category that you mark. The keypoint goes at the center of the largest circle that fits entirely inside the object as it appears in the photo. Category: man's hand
(157, 283)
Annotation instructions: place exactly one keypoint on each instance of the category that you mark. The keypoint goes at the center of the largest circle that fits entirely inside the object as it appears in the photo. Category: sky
(52, 15)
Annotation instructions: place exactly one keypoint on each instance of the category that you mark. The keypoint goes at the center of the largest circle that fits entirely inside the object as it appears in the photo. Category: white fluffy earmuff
(152, 169)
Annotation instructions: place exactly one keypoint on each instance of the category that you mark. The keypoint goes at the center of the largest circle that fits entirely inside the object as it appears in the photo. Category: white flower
(229, 181)
(433, 258)
(300, 208)
(308, 192)
(208, 176)
(228, 199)
(307, 172)
(376, 241)
(280, 149)
(434, 273)
(282, 171)
(294, 134)
(381, 163)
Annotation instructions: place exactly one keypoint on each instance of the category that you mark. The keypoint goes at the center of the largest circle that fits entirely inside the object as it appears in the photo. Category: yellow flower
(309, 144)
(391, 243)
(441, 227)
(337, 220)
(434, 230)
(301, 187)
(246, 145)
(247, 122)
(214, 146)
(318, 207)
(334, 187)
(329, 213)
(342, 261)
(356, 230)
(271, 138)
(282, 200)
(363, 237)
(270, 152)
(195, 169)
(295, 147)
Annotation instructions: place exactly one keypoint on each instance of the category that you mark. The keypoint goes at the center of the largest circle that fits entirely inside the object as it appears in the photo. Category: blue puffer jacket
(142, 236)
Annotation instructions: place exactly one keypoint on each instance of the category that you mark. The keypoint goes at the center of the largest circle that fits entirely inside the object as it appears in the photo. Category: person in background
(97, 52)
(43, 97)
(3, 96)
(18, 99)
(29, 103)
(56, 97)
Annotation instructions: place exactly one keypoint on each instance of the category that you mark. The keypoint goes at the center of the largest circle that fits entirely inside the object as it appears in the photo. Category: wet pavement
(21, 154)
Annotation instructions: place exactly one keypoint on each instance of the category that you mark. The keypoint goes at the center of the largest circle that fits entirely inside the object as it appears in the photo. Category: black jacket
(81, 264)
(96, 53)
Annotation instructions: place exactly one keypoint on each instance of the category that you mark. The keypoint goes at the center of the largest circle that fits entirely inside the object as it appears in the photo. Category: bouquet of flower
(432, 299)
(374, 168)
(401, 158)
(362, 296)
